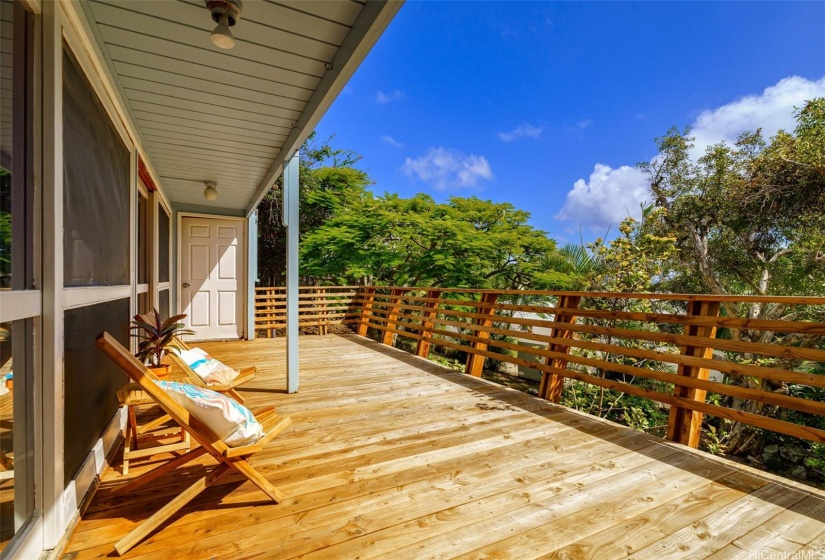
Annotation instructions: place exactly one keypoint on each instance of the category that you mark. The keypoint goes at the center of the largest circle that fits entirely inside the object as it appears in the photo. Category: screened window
(163, 304)
(7, 148)
(143, 239)
(163, 245)
(95, 187)
(91, 379)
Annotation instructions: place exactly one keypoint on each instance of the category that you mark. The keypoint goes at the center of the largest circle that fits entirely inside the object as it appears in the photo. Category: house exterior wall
(76, 420)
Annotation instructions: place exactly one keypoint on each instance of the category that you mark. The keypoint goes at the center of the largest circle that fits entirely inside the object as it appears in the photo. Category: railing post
(684, 425)
(423, 348)
(366, 310)
(475, 362)
(551, 383)
(321, 301)
(392, 316)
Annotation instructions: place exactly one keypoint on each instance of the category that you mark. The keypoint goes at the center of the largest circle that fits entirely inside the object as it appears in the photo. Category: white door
(212, 277)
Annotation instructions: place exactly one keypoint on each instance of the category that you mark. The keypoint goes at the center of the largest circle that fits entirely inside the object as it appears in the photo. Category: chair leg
(126, 449)
(160, 471)
(258, 480)
(131, 436)
(133, 424)
(167, 511)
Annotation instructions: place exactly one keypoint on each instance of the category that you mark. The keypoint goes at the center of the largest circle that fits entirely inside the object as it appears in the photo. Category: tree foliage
(466, 242)
(634, 261)
(746, 218)
(328, 182)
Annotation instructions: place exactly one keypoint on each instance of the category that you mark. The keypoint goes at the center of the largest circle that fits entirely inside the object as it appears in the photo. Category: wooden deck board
(394, 457)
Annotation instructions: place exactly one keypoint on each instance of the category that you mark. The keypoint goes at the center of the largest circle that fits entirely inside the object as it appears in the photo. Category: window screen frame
(22, 303)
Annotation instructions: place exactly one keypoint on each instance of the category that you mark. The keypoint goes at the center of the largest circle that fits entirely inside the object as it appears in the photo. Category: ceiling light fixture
(226, 14)
(211, 190)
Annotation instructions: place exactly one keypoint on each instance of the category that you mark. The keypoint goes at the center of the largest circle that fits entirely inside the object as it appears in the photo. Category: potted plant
(156, 338)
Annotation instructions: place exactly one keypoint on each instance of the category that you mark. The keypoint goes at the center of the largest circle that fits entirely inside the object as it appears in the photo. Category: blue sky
(549, 105)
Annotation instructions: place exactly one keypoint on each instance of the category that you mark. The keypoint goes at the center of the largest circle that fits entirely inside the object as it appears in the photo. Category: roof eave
(368, 27)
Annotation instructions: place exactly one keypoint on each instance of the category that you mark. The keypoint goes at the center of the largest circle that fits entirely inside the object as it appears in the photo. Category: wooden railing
(319, 307)
(604, 339)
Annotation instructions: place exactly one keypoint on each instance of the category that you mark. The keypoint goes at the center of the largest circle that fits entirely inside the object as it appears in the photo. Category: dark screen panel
(163, 304)
(91, 379)
(163, 245)
(95, 187)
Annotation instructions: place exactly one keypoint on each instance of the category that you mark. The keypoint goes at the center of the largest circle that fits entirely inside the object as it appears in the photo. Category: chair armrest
(273, 425)
(246, 374)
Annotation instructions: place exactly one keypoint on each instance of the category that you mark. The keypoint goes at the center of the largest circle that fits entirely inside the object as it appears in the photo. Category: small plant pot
(162, 371)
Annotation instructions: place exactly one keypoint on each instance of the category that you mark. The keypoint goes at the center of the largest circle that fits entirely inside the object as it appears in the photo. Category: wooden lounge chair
(246, 374)
(132, 396)
(228, 458)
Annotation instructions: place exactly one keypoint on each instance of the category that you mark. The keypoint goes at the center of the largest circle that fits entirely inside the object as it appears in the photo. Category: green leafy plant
(156, 336)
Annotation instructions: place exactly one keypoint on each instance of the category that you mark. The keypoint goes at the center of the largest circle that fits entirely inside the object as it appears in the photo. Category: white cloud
(384, 98)
(449, 169)
(581, 125)
(771, 110)
(387, 139)
(608, 197)
(527, 130)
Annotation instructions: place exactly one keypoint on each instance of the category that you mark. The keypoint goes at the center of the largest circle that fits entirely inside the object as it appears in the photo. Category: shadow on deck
(392, 456)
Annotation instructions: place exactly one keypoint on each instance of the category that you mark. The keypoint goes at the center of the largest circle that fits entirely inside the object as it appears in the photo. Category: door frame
(242, 282)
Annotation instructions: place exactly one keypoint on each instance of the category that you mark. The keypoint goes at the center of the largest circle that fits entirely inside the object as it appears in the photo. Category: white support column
(291, 221)
(52, 325)
(251, 272)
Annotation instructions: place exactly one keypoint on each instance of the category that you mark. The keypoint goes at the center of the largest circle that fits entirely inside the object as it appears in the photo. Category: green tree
(748, 218)
(329, 182)
(636, 260)
(633, 262)
(466, 242)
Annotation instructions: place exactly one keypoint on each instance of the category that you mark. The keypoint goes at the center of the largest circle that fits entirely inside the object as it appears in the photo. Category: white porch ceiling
(230, 116)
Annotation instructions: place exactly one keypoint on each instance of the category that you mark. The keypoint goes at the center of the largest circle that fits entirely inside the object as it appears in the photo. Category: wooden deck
(391, 456)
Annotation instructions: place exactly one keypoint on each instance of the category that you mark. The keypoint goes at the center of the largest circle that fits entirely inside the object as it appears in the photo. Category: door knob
(186, 284)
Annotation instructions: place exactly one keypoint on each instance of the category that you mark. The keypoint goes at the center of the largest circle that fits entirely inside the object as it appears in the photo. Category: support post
(290, 205)
(52, 273)
(392, 316)
(684, 425)
(475, 362)
(251, 274)
(423, 347)
(551, 383)
(366, 310)
(321, 305)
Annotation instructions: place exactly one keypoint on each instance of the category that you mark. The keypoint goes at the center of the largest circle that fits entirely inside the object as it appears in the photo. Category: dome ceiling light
(211, 190)
(226, 14)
